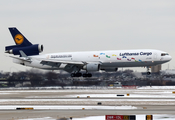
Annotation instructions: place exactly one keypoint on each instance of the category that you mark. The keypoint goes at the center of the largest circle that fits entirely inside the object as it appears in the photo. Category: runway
(14, 114)
(82, 103)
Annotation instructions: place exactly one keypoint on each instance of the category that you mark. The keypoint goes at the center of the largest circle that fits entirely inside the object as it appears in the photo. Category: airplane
(75, 62)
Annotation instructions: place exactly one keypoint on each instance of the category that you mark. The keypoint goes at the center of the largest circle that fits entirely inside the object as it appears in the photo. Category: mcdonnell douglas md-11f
(74, 62)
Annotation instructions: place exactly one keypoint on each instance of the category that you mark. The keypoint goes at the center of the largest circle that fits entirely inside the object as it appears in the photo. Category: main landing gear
(76, 74)
(80, 74)
(87, 75)
(148, 73)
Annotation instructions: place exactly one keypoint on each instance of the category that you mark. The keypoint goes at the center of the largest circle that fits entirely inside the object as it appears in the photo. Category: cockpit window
(163, 54)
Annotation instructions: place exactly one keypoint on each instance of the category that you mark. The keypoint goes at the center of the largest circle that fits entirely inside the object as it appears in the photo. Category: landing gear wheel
(84, 75)
(148, 73)
(87, 75)
(76, 74)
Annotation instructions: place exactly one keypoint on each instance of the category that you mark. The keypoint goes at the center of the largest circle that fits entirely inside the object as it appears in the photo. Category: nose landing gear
(148, 72)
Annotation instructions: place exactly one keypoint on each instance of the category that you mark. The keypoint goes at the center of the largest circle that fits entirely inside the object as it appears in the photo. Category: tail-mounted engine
(28, 50)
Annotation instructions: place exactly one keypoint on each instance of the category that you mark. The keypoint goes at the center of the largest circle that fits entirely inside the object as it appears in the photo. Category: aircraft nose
(169, 58)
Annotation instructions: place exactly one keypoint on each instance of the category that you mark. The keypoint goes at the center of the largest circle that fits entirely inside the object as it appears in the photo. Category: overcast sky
(88, 25)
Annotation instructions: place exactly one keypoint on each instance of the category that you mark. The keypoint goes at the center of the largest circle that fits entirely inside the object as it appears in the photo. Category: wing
(70, 65)
(48, 62)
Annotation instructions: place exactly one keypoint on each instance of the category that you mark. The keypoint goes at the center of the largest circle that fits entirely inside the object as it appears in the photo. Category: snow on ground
(138, 117)
(91, 118)
(156, 87)
(74, 88)
(45, 118)
(84, 100)
(161, 94)
(36, 107)
(111, 93)
(164, 117)
(4, 93)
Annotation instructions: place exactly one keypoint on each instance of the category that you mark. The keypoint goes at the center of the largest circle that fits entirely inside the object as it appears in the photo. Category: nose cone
(168, 58)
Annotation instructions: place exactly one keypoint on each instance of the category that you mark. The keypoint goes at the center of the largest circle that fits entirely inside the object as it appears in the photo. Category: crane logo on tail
(19, 39)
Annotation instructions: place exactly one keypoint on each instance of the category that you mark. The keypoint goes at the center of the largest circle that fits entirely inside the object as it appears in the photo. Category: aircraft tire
(148, 73)
(78, 74)
(84, 75)
(89, 75)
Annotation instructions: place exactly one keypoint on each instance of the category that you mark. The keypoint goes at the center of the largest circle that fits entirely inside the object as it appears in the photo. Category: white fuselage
(106, 59)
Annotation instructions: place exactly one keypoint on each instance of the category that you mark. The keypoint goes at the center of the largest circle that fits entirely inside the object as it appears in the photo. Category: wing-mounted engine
(110, 69)
(92, 67)
(28, 50)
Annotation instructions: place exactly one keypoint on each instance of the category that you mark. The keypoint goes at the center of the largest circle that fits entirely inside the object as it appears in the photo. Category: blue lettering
(146, 53)
(136, 54)
(128, 54)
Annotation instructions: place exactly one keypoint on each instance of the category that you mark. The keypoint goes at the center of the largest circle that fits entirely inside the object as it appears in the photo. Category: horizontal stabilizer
(21, 58)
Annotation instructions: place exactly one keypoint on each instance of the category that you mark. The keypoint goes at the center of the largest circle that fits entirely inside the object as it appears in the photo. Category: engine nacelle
(110, 69)
(28, 50)
(92, 67)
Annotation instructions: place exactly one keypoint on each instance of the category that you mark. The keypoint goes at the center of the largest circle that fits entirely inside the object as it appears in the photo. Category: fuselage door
(155, 56)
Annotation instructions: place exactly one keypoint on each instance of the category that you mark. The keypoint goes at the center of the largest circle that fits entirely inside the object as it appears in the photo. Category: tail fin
(19, 38)
(22, 44)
